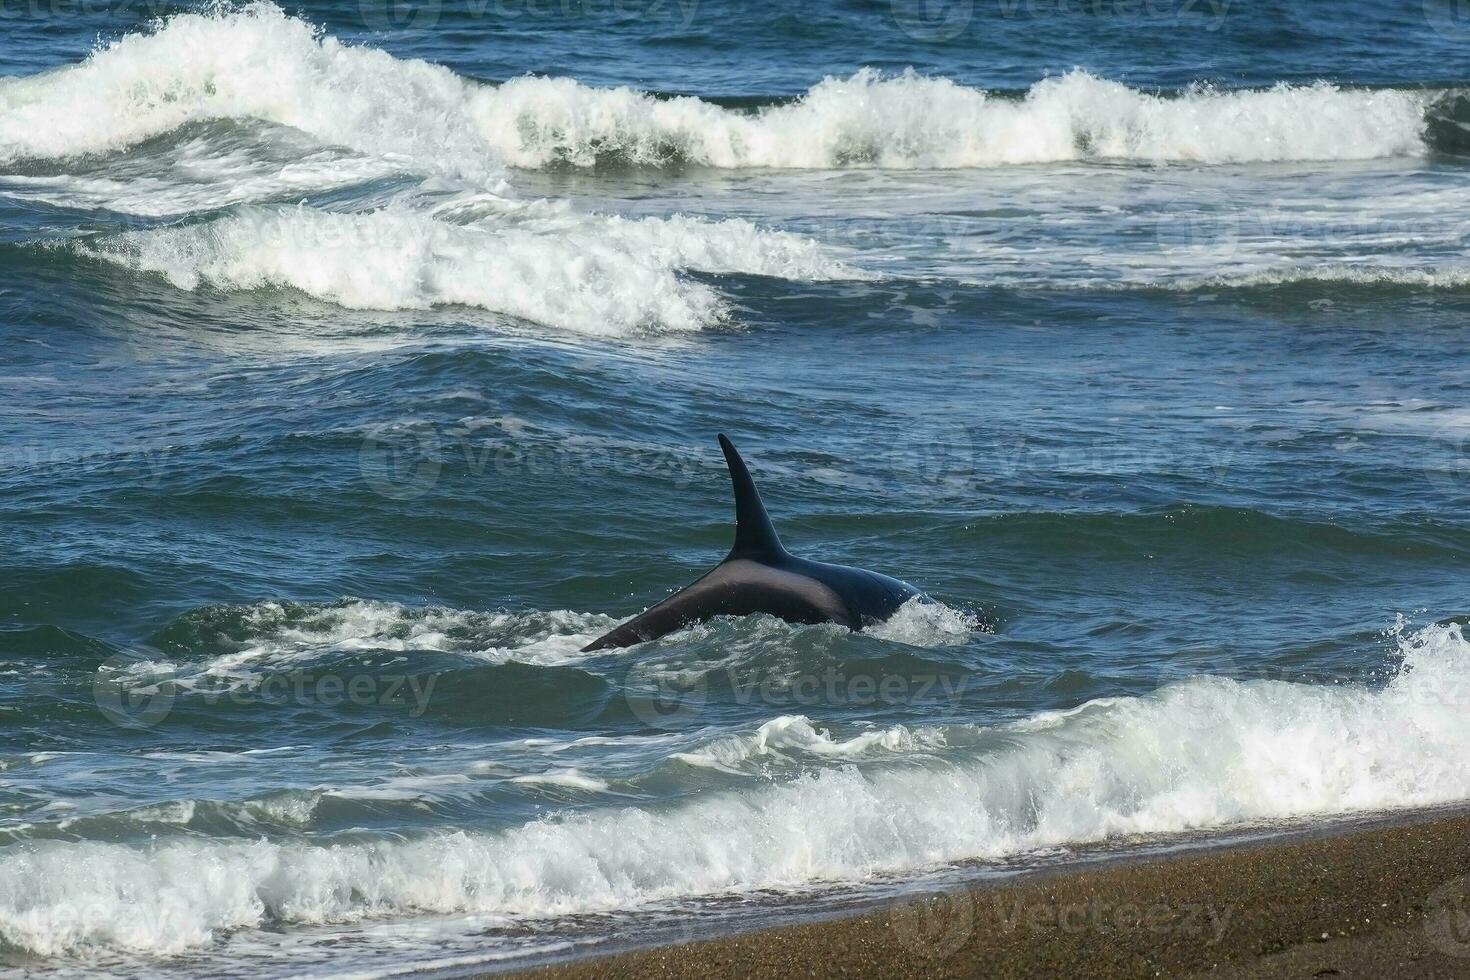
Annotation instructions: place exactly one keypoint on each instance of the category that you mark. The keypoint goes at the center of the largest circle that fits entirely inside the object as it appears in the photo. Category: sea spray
(1205, 753)
(585, 273)
(261, 64)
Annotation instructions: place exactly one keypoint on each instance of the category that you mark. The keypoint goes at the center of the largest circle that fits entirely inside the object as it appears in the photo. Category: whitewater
(1200, 754)
(249, 110)
(262, 64)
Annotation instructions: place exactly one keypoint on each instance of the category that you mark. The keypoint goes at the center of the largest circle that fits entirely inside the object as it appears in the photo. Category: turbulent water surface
(362, 362)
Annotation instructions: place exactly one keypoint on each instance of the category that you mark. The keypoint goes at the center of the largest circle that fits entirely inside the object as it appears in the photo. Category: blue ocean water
(363, 361)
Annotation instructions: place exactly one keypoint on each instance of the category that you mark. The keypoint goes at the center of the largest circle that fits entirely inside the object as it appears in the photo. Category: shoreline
(1390, 899)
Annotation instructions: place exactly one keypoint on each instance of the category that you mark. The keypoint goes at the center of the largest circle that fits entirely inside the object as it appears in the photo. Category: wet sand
(1384, 902)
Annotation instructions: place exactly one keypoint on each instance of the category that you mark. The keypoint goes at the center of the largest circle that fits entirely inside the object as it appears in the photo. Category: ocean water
(361, 362)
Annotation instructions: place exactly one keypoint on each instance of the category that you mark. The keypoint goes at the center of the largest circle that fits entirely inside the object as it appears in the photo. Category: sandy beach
(1387, 901)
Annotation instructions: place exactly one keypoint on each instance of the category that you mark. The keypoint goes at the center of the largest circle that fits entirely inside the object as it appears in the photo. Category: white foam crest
(732, 245)
(398, 260)
(1339, 274)
(292, 809)
(172, 189)
(256, 63)
(925, 623)
(790, 737)
(497, 637)
(1202, 754)
(570, 778)
(589, 274)
(405, 788)
(281, 636)
(176, 812)
(912, 121)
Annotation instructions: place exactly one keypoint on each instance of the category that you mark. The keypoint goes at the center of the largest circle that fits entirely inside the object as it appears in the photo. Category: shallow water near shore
(363, 364)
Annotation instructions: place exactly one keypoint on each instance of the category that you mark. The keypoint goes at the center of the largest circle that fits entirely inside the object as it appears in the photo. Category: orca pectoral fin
(625, 635)
(660, 619)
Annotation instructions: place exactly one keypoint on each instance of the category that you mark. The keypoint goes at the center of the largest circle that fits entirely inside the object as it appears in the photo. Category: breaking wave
(912, 121)
(221, 117)
(259, 63)
(1200, 754)
(277, 635)
(585, 273)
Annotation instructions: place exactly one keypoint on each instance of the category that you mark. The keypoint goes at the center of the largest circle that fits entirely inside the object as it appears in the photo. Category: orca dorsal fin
(755, 535)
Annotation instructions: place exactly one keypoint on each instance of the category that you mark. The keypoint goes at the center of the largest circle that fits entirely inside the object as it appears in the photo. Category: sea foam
(909, 121)
(1204, 753)
(257, 63)
(245, 641)
(260, 64)
(242, 109)
(584, 273)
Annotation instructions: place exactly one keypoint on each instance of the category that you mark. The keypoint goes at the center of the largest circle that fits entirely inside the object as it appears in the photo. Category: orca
(760, 576)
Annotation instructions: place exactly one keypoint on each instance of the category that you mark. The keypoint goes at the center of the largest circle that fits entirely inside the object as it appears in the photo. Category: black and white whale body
(761, 576)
